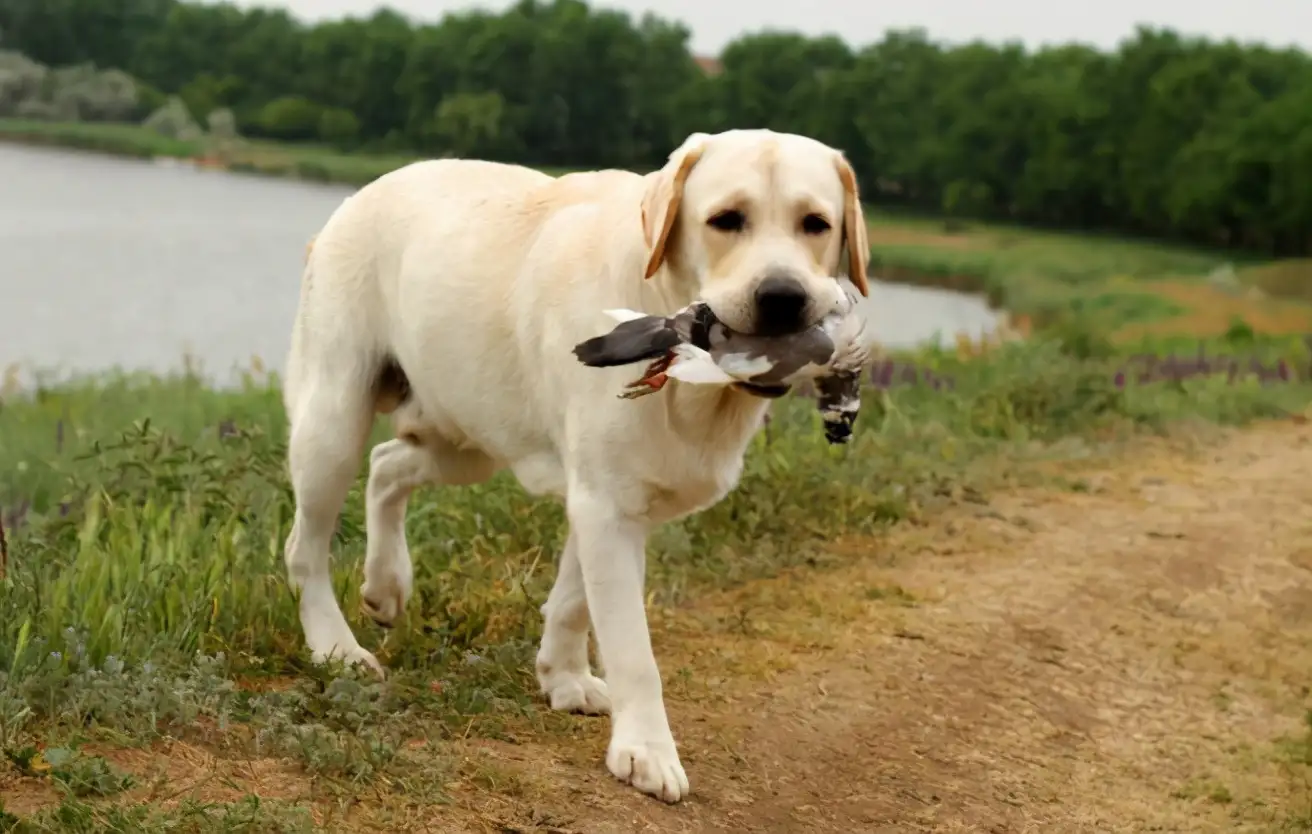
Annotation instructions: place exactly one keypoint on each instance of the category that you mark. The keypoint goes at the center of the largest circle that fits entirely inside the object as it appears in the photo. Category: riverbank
(1126, 290)
(273, 159)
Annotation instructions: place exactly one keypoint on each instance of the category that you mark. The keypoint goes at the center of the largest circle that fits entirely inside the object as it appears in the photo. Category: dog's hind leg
(329, 393)
(562, 664)
(396, 469)
(330, 419)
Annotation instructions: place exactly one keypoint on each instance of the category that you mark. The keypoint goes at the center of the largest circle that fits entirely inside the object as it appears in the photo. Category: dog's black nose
(780, 303)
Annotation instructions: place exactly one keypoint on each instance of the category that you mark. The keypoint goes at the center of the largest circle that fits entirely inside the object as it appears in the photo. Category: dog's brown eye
(728, 221)
(814, 224)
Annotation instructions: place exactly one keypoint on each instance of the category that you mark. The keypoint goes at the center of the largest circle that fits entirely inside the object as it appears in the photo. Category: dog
(449, 294)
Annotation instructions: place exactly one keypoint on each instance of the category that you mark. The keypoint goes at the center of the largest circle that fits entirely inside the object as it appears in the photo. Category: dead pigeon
(695, 347)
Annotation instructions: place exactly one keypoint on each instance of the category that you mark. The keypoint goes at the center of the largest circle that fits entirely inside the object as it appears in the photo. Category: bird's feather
(631, 341)
(694, 365)
(744, 366)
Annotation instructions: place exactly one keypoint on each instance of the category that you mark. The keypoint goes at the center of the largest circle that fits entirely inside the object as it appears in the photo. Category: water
(111, 263)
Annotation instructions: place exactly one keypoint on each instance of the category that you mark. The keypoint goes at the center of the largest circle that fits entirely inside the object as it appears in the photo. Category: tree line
(1209, 142)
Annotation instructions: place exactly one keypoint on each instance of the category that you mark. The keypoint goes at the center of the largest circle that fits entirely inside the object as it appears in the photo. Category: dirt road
(1123, 658)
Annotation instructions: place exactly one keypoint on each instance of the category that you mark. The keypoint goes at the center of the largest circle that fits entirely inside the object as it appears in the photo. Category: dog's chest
(679, 481)
(667, 503)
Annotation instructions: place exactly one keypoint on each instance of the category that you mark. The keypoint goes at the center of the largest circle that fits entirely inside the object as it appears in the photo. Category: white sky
(1035, 22)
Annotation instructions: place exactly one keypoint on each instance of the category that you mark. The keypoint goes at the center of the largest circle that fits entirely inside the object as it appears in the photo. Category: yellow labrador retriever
(450, 293)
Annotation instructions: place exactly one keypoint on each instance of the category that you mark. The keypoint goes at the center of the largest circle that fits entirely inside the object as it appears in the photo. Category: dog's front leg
(562, 664)
(611, 553)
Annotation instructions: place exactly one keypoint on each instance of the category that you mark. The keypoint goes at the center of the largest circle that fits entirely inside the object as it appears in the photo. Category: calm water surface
(109, 263)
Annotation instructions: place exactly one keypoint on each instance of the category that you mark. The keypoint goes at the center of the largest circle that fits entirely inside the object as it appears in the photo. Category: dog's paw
(383, 599)
(357, 656)
(651, 766)
(575, 692)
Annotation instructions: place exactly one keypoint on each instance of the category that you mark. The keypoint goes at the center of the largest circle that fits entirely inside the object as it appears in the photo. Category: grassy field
(144, 607)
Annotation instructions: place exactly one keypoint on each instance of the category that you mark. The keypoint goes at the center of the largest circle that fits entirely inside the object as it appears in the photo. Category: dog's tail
(631, 341)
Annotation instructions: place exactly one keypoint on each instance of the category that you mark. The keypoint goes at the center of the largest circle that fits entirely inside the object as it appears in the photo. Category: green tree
(469, 124)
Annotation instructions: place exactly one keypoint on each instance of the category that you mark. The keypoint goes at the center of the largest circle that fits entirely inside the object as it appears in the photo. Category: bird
(694, 346)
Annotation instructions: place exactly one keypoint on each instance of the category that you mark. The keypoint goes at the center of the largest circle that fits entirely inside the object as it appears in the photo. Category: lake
(114, 263)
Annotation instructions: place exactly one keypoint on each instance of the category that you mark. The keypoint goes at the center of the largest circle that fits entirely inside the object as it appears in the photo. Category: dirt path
(1120, 659)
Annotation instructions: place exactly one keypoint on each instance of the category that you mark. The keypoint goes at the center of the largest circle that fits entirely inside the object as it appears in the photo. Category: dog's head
(762, 221)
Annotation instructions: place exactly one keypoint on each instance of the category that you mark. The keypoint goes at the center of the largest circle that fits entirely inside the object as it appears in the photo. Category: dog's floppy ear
(855, 240)
(660, 205)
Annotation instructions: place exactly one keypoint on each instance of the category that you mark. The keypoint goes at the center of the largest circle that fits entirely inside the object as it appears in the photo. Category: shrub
(290, 118)
(21, 80)
(174, 121)
(339, 126)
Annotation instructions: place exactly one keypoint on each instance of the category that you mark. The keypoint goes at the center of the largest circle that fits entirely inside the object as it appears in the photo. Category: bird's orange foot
(653, 379)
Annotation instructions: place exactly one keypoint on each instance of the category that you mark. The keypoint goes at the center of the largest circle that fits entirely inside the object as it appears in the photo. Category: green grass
(145, 595)
(249, 815)
(117, 139)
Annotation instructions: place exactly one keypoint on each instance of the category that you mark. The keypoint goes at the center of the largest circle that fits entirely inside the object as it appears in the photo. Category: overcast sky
(1035, 22)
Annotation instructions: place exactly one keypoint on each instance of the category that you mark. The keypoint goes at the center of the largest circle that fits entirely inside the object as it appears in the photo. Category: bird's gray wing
(631, 341)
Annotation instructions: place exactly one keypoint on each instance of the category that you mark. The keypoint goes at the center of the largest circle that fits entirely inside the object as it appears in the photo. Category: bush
(37, 110)
(21, 80)
(67, 94)
(81, 93)
(291, 118)
(339, 126)
(222, 124)
(175, 121)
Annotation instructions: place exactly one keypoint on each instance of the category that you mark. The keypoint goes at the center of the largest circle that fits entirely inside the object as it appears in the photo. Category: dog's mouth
(768, 392)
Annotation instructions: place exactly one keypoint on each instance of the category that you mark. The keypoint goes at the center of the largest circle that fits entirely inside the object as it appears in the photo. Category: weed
(251, 815)
(81, 775)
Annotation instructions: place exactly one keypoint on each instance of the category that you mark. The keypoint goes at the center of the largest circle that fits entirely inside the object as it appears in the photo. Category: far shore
(305, 162)
(1133, 288)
